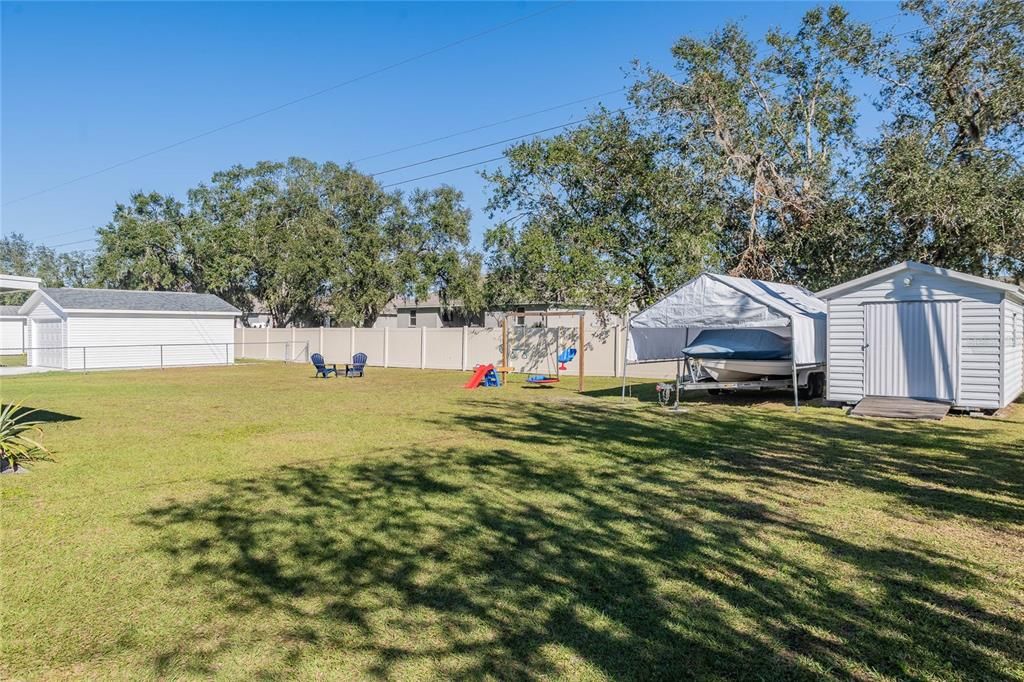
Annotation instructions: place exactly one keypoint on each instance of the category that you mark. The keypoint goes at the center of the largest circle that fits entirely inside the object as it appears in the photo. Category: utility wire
(419, 163)
(450, 170)
(61, 234)
(492, 144)
(489, 125)
(80, 241)
(297, 100)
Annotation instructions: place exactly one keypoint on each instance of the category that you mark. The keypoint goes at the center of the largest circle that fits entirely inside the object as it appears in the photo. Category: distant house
(256, 318)
(404, 313)
(407, 312)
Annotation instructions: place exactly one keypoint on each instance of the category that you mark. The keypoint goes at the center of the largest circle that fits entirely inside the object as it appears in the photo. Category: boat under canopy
(720, 302)
(738, 344)
(734, 327)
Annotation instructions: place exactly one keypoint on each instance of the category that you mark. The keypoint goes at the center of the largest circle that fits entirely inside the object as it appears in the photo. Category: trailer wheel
(815, 387)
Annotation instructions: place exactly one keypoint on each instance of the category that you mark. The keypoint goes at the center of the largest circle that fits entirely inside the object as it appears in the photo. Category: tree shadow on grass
(623, 550)
(46, 416)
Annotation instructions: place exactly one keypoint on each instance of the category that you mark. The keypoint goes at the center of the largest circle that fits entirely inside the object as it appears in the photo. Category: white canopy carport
(711, 301)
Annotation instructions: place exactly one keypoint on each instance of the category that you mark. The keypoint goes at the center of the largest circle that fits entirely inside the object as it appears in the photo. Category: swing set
(562, 357)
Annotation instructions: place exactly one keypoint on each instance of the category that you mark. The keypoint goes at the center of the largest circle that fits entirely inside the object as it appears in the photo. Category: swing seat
(541, 379)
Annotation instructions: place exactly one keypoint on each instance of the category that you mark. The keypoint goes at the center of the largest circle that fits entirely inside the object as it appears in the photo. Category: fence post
(465, 347)
(83, 358)
(266, 346)
(352, 340)
(423, 347)
(615, 352)
(307, 347)
(385, 347)
(243, 340)
(286, 344)
(227, 358)
(320, 349)
(161, 356)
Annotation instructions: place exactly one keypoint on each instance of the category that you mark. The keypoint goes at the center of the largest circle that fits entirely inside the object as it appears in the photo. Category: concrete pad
(15, 371)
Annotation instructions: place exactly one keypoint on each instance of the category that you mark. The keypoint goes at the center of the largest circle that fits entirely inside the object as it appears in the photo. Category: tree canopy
(306, 241)
(601, 216)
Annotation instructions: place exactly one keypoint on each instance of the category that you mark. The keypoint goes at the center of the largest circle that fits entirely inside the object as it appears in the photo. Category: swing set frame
(581, 352)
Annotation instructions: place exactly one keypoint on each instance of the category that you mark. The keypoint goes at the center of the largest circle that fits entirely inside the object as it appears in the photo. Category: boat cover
(712, 301)
(738, 344)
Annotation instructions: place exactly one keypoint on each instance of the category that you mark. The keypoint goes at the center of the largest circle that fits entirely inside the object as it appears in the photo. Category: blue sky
(88, 85)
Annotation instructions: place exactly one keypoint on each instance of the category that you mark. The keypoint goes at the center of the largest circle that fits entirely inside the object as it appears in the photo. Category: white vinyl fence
(531, 349)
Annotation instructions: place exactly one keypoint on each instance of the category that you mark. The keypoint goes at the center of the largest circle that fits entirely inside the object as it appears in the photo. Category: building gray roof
(7, 310)
(153, 301)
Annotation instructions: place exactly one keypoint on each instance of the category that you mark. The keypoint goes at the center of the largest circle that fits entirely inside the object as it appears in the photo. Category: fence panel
(250, 343)
(302, 337)
(532, 350)
(652, 370)
(484, 346)
(444, 349)
(404, 347)
(337, 345)
(371, 342)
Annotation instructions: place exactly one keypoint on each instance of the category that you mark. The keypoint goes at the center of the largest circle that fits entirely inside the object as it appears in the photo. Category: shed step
(900, 408)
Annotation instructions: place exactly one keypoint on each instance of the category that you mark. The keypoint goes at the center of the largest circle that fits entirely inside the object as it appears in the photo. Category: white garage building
(12, 330)
(917, 331)
(108, 328)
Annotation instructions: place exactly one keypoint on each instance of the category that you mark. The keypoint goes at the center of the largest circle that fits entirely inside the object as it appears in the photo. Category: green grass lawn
(251, 522)
(13, 360)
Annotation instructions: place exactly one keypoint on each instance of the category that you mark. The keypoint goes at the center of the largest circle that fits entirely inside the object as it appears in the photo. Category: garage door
(911, 349)
(47, 341)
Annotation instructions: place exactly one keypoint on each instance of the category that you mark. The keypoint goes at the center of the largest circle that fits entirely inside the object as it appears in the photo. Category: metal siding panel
(134, 340)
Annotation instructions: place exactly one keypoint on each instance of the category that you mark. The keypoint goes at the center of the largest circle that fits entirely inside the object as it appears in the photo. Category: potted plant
(17, 438)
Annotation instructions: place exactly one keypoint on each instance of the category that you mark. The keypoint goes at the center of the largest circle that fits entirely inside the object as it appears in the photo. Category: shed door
(47, 342)
(912, 349)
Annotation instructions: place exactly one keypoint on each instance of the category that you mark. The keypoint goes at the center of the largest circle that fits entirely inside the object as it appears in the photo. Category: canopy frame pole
(792, 354)
(679, 377)
(625, 362)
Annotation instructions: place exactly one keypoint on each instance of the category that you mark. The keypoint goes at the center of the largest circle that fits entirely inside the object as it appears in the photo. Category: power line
(80, 241)
(489, 125)
(491, 144)
(450, 170)
(61, 234)
(297, 100)
(430, 160)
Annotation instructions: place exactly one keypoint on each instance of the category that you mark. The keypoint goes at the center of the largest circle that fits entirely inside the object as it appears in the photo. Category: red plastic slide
(478, 375)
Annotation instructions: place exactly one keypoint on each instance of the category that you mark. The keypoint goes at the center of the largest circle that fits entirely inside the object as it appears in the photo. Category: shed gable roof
(914, 266)
(137, 301)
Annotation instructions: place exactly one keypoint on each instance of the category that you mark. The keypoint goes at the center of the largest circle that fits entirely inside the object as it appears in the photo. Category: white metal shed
(917, 331)
(109, 328)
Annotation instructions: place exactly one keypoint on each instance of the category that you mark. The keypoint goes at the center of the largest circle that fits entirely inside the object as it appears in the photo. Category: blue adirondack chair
(323, 370)
(358, 365)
